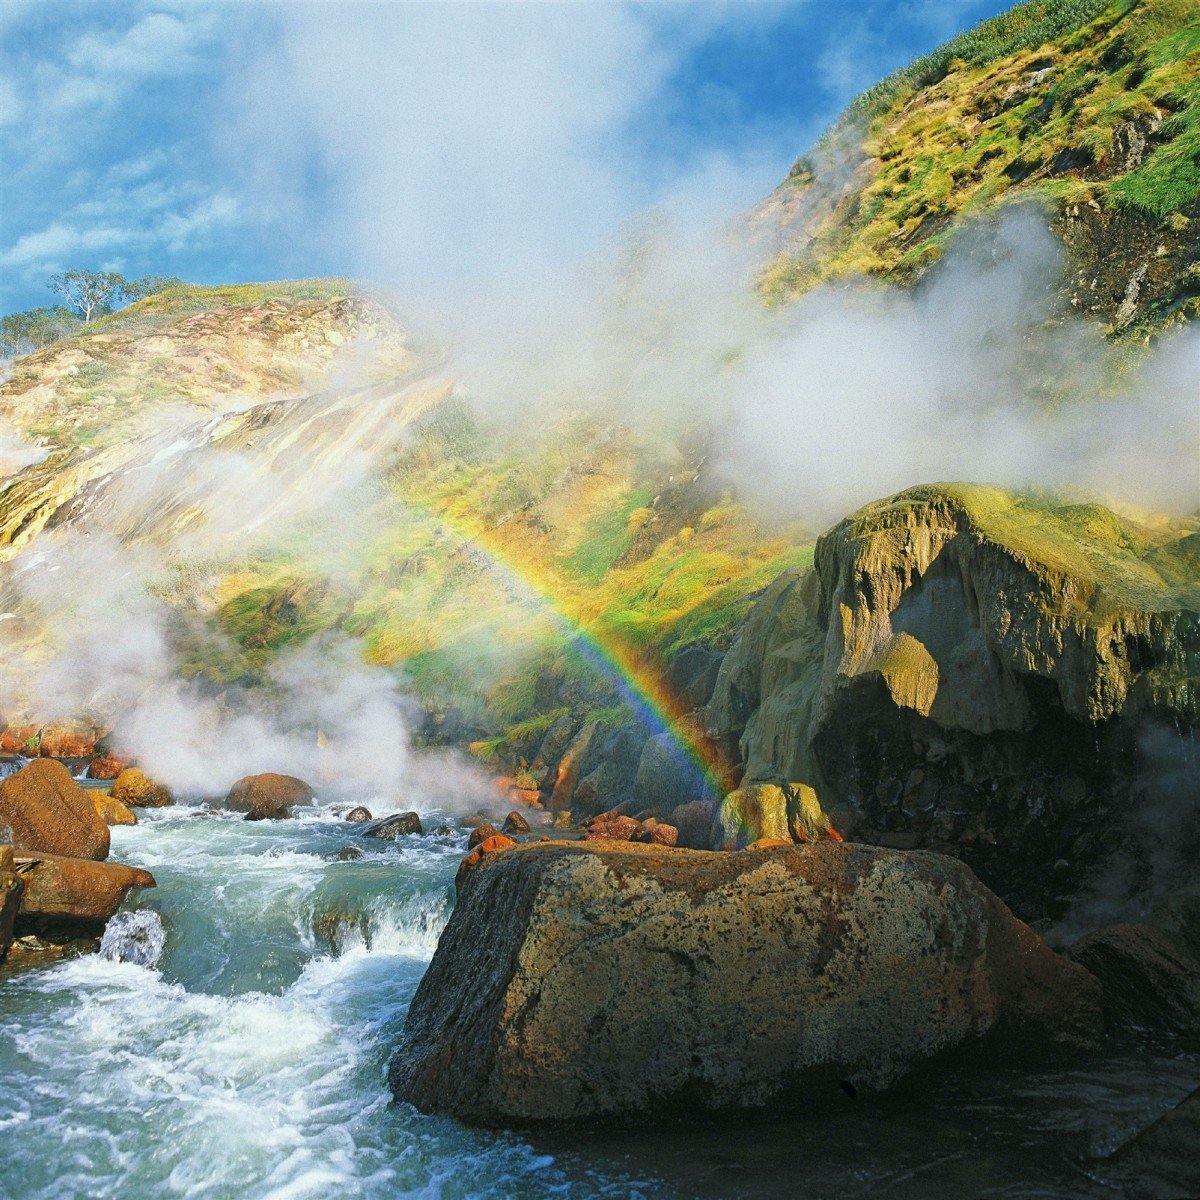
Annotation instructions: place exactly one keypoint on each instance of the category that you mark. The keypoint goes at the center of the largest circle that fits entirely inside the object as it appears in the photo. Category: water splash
(134, 937)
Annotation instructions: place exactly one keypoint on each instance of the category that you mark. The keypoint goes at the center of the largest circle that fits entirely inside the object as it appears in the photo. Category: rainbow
(640, 690)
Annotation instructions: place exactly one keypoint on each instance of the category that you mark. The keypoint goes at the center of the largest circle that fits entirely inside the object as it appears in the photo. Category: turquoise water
(244, 1054)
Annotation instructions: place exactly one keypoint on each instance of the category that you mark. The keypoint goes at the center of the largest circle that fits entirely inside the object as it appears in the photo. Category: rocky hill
(1090, 108)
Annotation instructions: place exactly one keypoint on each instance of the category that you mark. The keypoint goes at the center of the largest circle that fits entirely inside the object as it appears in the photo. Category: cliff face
(976, 672)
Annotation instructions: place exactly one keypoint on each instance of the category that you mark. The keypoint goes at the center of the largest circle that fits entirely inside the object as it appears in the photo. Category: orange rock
(530, 797)
(66, 894)
(608, 827)
(108, 766)
(479, 834)
(49, 812)
(67, 741)
(503, 784)
(488, 846)
(20, 739)
(137, 790)
(656, 833)
(768, 844)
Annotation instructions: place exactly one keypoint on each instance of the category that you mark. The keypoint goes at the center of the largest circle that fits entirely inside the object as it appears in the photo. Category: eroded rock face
(49, 812)
(269, 796)
(967, 671)
(584, 980)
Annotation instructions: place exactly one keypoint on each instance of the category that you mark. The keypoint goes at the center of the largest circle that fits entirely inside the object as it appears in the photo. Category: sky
(413, 144)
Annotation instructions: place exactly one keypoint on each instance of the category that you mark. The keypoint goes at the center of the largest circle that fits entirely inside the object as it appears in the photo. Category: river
(231, 1041)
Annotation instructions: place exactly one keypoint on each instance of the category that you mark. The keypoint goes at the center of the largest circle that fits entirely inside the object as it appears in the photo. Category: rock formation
(582, 980)
(268, 796)
(976, 672)
(48, 811)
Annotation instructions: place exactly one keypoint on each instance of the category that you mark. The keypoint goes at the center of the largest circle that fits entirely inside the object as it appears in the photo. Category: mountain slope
(1091, 108)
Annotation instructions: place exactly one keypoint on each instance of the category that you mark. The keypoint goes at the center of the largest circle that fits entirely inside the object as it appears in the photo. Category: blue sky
(411, 143)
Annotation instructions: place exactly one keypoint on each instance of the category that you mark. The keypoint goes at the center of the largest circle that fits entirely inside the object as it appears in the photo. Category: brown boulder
(11, 887)
(268, 796)
(135, 788)
(111, 811)
(108, 766)
(1150, 981)
(481, 833)
(515, 823)
(357, 816)
(577, 980)
(48, 811)
(68, 897)
(655, 833)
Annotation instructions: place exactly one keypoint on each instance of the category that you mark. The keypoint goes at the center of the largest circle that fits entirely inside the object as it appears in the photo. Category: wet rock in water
(11, 887)
(357, 815)
(1150, 980)
(347, 854)
(49, 812)
(112, 811)
(134, 937)
(108, 766)
(269, 796)
(389, 829)
(444, 831)
(475, 820)
(515, 823)
(479, 834)
(579, 980)
(72, 897)
(135, 788)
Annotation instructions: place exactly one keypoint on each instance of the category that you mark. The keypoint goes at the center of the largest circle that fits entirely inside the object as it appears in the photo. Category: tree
(89, 293)
(149, 285)
(23, 332)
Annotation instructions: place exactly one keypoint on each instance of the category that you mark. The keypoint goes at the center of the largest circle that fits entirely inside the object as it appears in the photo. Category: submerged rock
(582, 980)
(388, 829)
(1150, 981)
(269, 796)
(49, 812)
(73, 897)
(111, 811)
(135, 788)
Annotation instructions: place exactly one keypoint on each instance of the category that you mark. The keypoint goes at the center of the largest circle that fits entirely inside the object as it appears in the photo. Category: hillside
(1088, 107)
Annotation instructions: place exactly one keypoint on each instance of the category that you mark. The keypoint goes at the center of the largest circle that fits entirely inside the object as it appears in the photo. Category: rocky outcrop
(72, 897)
(587, 980)
(975, 672)
(1150, 980)
(136, 789)
(11, 889)
(47, 811)
(268, 797)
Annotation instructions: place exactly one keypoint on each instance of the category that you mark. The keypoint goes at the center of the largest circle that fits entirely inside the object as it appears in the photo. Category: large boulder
(583, 980)
(388, 829)
(71, 897)
(47, 811)
(136, 789)
(268, 797)
(1150, 980)
(11, 887)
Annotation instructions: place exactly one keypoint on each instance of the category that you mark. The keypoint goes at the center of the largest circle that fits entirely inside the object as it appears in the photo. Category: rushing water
(231, 1040)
